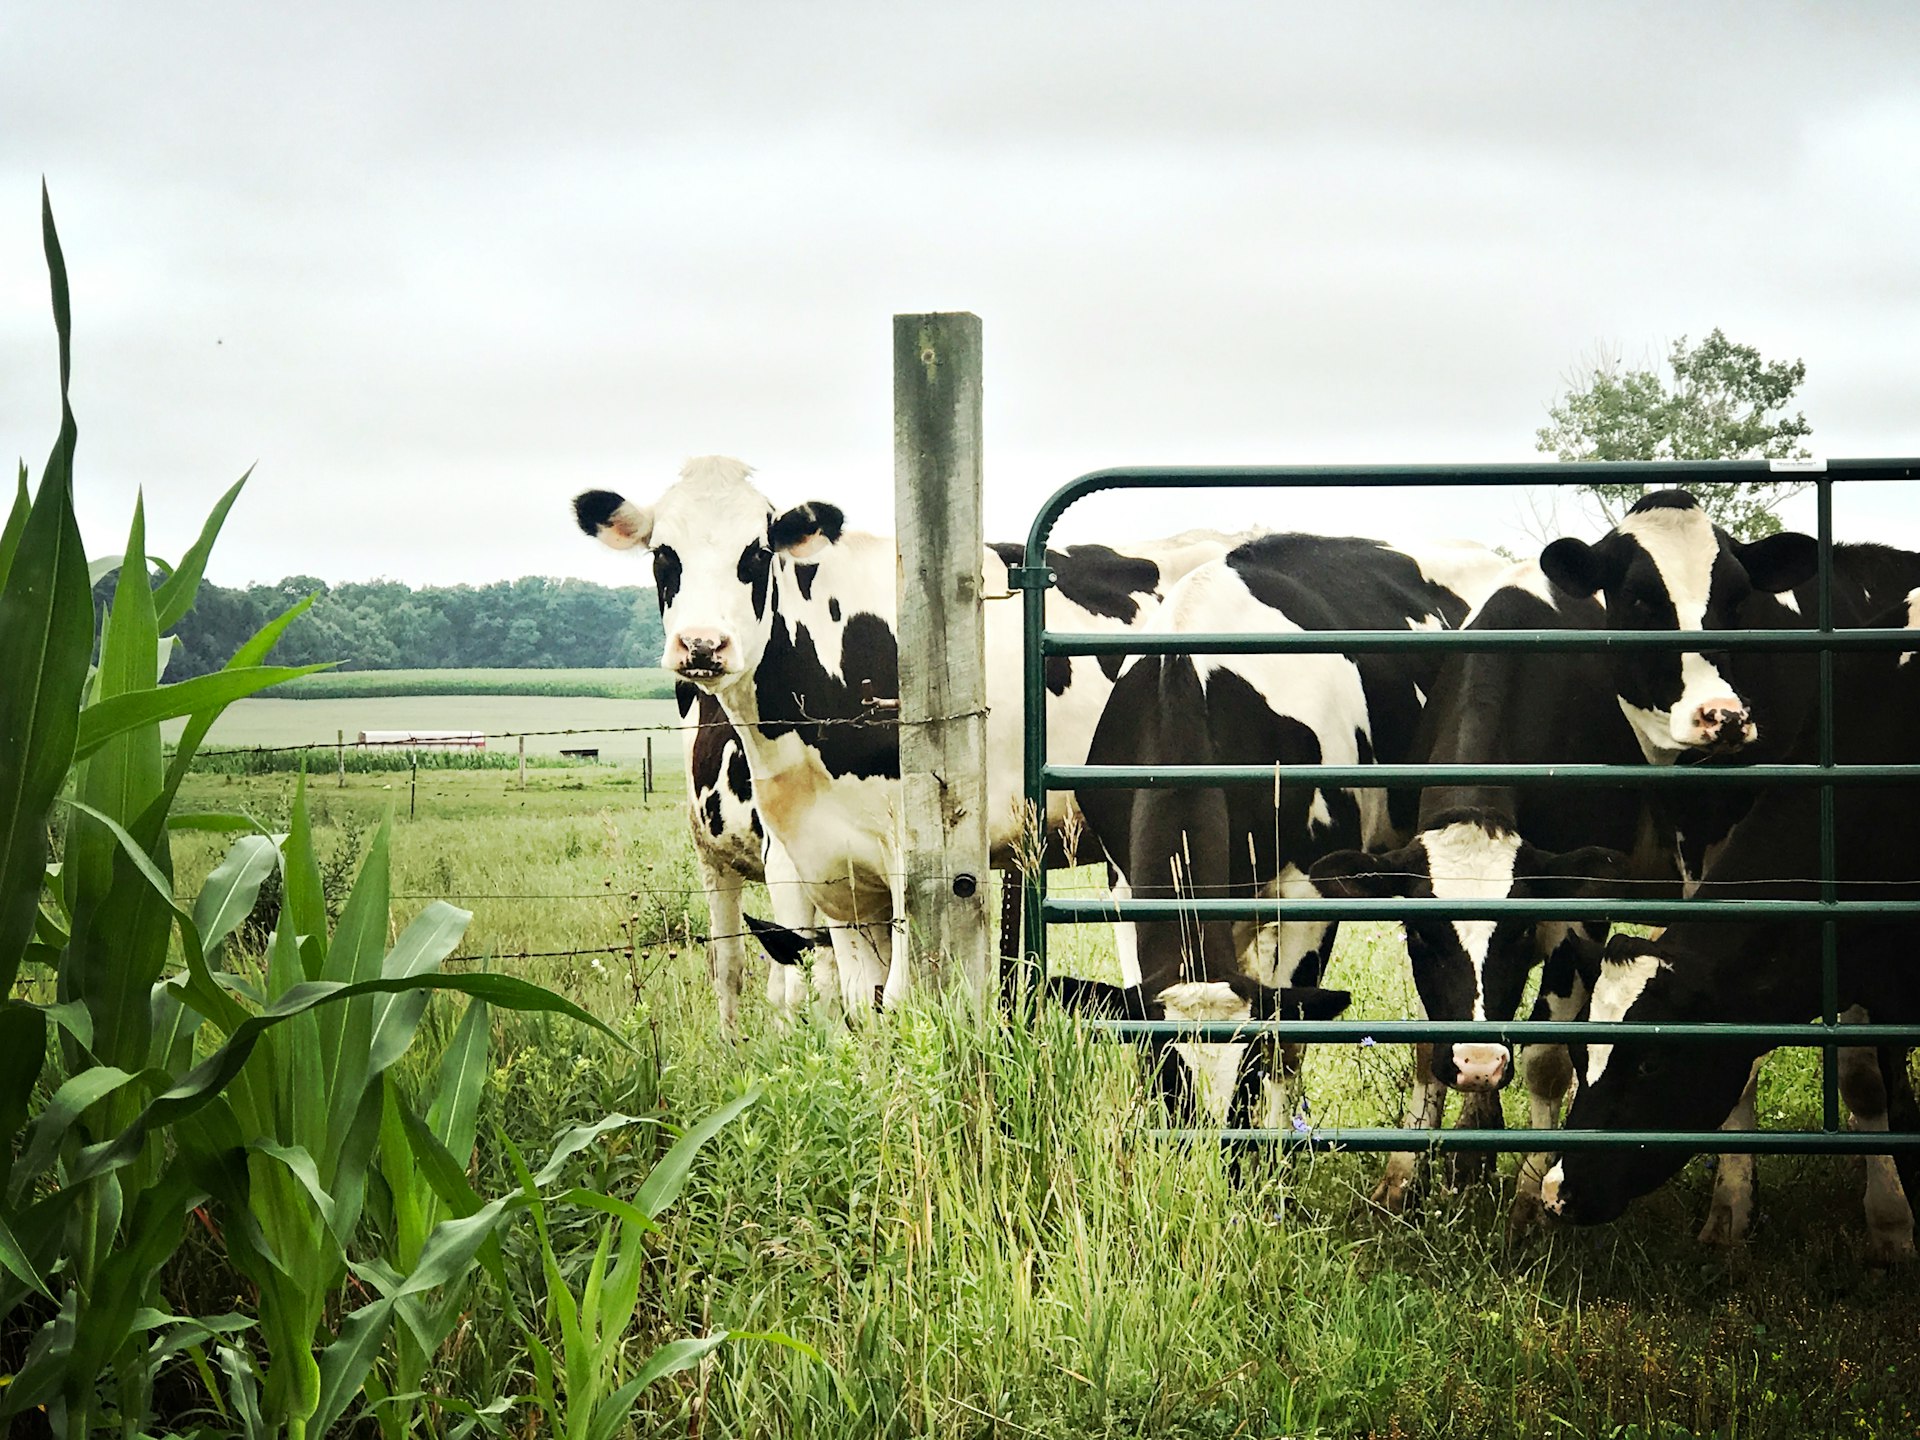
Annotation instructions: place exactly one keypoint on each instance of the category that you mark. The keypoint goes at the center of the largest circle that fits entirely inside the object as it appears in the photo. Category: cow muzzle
(1481, 1067)
(698, 654)
(1722, 723)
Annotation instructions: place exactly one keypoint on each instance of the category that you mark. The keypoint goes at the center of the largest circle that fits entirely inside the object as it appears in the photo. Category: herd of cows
(779, 624)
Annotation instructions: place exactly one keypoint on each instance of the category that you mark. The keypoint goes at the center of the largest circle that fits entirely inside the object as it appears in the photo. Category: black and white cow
(1768, 970)
(732, 850)
(1508, 841)
(786, 619)
(1265, 710)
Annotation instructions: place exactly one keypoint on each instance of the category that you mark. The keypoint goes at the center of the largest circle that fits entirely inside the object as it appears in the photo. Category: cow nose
(697, 651)
(1480, 1067)
(1722, 721)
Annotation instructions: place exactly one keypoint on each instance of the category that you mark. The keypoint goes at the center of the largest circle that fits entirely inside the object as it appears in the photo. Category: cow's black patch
(833, 607)
(594, 508)
(1665, 500)
(816, 517)
(756, 565)
(796, 691)
(1097, 578)
(739, 778)
(686, 695)
(753, 819)
(803, 576)
(712, 811)
(666, 574)
(1059, 673)
(710, 744)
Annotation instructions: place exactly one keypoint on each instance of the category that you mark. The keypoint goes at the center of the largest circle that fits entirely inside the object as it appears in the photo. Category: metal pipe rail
(1035, 577)
(1373, 642)
(1149, 777)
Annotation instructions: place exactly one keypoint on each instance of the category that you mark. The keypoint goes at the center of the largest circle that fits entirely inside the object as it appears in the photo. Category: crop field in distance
(968, 1225)
(607, 684)
(276, 722)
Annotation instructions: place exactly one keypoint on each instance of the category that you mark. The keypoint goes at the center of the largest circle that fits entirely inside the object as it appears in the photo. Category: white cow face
(1667, 568)
(714, 538)
(1470, 969)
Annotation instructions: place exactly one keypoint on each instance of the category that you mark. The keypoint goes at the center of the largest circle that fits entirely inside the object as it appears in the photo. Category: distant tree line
(534, 622)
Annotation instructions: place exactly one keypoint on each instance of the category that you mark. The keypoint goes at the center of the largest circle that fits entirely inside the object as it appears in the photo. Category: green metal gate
(1035, 578)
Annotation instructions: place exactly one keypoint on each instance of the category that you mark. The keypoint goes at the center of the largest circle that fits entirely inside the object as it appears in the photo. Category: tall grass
(965, 1219)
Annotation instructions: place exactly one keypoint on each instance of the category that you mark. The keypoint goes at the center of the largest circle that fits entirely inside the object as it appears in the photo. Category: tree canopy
(1723, 402)
(534, 622)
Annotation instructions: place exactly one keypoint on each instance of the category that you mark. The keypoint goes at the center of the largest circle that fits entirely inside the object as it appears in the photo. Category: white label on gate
(1813, 465)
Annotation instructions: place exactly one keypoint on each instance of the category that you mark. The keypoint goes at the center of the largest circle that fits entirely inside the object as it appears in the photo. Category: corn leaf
(121, 713)
(175, 595)
(46, 642)
(662, 1187)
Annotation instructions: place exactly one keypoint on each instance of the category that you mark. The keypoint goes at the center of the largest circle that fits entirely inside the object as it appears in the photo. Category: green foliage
(533, 622)
(190, 1075)
(1724, 402)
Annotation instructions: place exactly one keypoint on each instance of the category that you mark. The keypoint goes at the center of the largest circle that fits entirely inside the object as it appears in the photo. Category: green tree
(1724, 402)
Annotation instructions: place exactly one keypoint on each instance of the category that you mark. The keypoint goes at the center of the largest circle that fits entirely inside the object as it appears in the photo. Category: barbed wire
(881, 718)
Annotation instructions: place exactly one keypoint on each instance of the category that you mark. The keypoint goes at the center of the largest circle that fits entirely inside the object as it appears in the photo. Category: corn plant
(274, 1113)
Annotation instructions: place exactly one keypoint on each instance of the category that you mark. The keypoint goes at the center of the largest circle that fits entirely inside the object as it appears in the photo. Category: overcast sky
(435, 268)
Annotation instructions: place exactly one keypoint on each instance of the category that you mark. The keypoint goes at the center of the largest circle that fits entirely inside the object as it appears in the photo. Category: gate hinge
(1030, 577)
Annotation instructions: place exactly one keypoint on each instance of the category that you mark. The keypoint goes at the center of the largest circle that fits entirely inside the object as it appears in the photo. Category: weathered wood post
(340, 755)
(646, 774)
(523, 762)
(941, 827)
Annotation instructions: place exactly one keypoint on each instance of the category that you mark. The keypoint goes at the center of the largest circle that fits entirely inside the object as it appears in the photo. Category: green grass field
(361, 684)
(969, 1226)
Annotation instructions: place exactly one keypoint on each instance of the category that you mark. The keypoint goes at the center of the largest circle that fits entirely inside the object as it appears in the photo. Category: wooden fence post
(340, 755)
(523, 762)
(941, 827)
(646, 774)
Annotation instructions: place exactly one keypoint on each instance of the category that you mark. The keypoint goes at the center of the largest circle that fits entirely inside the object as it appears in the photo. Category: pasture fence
(1035, 578)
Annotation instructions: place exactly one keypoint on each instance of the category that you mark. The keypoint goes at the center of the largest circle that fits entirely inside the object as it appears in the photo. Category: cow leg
(790, 987)
(1731, 1213)
(1549, 1071)
(726, 937)
(1903, 1112)
(1426, 1107)
(1889, 1216)
(860, 968)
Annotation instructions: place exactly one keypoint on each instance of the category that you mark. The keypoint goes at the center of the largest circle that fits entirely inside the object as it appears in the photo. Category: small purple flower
(1365, 1041)
(1301, 1125)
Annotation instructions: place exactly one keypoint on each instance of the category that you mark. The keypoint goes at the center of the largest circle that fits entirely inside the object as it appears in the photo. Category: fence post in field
(523, 762)
(646, 774)
(941, 827)
(340, 755)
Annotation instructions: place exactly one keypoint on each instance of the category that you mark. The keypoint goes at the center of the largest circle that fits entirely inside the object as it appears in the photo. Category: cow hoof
(1887, 1250)
(1727, 1226)
(1393, 1193)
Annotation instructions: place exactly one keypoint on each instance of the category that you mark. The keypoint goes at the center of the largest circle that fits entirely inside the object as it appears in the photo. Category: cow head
(1641, 1086)
(1667, 567)
(1469, 969)
(714, 539)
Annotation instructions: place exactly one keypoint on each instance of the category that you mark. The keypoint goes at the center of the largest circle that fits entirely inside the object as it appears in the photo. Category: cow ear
(1781, 561)
(612, 519)
(1580, 568)
(1356, 875)
(1584, 874)
(806, 529)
